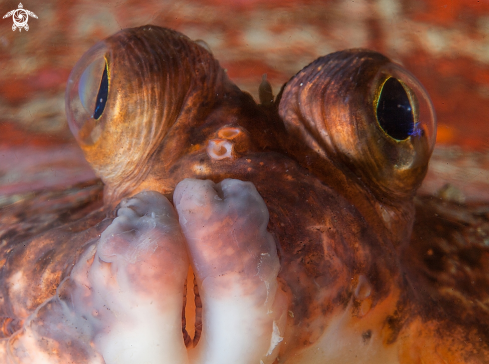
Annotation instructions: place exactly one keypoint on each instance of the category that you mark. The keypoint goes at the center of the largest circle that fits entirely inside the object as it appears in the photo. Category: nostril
(229, 132)
(362, 293)
(363, 289)
(219, 149)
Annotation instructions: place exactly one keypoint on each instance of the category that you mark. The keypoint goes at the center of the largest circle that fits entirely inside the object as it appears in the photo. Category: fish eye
(372, 114)
(87, 93)
(402, 107)
(93, 87)
(393, 110)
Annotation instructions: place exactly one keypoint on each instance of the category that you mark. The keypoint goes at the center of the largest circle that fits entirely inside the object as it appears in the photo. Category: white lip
(123, 301)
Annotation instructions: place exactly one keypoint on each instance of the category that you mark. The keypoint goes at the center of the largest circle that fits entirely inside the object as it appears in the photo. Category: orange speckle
(445, 134)
(195, 148)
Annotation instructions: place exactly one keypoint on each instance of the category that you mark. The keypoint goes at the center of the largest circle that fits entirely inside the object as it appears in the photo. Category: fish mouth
(123, 299)
(191, 312)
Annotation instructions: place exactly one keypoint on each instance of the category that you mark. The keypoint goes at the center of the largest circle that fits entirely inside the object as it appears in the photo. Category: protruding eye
(87, 93)
(402, 106)
(93, 87)
(394, 111)
(358, 107)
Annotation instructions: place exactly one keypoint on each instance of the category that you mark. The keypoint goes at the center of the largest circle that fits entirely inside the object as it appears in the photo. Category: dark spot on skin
(377, 281)
(342, 298)
(394, 323)
(471, 256)
(21, 215)
(434, 259)
(44, 260)
(9, 234)
(366, 336)
(175, 167)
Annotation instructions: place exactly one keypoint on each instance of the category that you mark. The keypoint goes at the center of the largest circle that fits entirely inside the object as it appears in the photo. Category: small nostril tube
(220, 149)
(363, 289)
(362, 293)
(229, 132)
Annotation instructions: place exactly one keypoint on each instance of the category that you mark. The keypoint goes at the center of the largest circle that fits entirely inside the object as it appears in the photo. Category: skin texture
(352, 280)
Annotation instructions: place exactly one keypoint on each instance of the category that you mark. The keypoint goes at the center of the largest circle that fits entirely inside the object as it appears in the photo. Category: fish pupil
(103, 92)
(394, 110)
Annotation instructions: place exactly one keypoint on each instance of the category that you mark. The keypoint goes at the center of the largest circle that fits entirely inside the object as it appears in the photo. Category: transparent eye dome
(403, 107)
(86, 94)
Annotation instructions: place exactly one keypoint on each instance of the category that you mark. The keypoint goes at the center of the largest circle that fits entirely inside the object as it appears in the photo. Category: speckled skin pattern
(338, 189)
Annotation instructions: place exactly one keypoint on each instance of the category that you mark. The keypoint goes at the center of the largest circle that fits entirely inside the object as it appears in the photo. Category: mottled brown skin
(42, 236)
(340, 206)
(446, 264)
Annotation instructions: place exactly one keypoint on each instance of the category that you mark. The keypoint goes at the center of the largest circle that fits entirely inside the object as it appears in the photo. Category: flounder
(235, 232)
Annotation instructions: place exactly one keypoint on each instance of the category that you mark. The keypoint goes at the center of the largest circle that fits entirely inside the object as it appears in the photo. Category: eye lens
(102, 95)
(91, 87)
(87, 93)
(394, 110)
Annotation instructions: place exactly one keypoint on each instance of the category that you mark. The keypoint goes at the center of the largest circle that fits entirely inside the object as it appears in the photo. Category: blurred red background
(444, 43)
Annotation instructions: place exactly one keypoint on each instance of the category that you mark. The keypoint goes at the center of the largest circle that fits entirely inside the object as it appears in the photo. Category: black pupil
(102, 95)
(394, 111)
